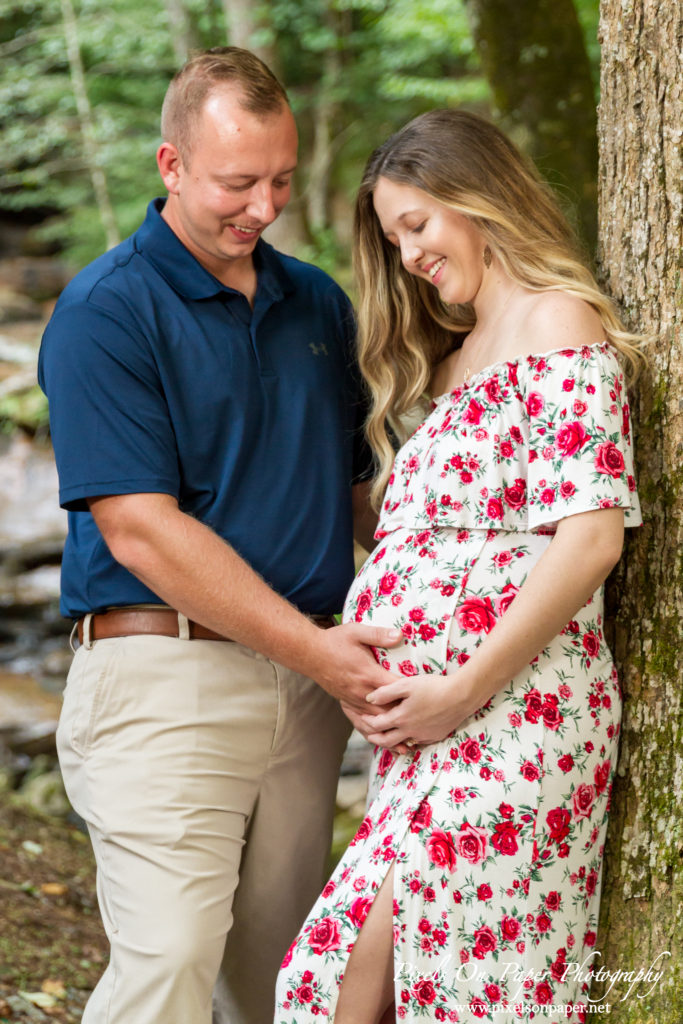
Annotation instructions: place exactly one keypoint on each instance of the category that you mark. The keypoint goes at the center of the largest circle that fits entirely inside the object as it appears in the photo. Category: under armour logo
(318, 349)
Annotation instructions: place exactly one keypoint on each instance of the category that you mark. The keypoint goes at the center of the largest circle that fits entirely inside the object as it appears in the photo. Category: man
(205, 414)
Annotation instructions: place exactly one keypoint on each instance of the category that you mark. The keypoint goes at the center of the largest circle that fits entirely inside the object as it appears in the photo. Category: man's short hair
(259, 91)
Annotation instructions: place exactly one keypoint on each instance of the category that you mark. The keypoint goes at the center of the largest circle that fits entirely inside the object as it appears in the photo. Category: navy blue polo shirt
(161, 379)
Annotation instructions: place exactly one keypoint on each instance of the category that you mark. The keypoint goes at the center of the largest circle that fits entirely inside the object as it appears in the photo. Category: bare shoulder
(555, 319)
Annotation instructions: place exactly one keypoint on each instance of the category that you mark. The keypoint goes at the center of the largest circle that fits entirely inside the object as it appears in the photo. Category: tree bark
(640, 229)
(87, 126)
(534, 58)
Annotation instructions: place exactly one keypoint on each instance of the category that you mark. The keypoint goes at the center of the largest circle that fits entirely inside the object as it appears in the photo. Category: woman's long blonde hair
(466, 163)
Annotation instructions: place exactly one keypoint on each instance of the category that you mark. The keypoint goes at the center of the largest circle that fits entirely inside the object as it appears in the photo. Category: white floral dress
(496, 832)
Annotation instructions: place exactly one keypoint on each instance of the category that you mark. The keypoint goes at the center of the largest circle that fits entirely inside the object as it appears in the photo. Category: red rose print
(508, 594)
(358, 910)
(553, 900)
(485, 940)
(552, 716)
(304, 993)
(426, 631)
(364, 602)
(441, 849)
(471, 842)
(484, 892)
(492, 389)
(515, 496)
(416, 614)
(329, 889)
(424, 992)
(479, 1007)
(530, 771)
(543, 993)
(288, 956)
(547, 496)
(493, 993)
(510, 928)
(625, 420)
(568, 384)
(502, 558)
(543, 923)
(601, 776)
(589, 939)
(476, 615)
(365, 827)
(407, 668)
(571, 438)
(608, 459)
(470, 750)
(388, 582)
(591, 644)
(422, 817)
(534, 403)
(580, 408)
(567, 489)
(534, 705)
(325, 936)
(428, 894)
(566, 763)
(583, 799)
(506, 810)
(473, 412)
(385, 762)
(507, 449)
(558, 822)
(504, 838)
(494, 508)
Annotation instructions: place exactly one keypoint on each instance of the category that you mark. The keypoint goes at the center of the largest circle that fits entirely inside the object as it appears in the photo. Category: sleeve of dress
(580, 437)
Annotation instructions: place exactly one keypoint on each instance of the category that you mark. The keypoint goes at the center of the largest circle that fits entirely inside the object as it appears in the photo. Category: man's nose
(261, 204)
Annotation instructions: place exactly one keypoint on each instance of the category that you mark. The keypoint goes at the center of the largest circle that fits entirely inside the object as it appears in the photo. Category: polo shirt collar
(161, 246)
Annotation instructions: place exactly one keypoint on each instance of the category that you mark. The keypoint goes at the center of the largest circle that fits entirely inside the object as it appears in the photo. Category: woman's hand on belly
(422, 709)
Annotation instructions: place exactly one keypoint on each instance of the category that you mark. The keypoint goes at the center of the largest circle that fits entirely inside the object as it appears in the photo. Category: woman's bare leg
(368, 986)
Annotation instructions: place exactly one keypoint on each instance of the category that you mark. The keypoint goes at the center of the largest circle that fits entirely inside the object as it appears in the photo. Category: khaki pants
(197, 765)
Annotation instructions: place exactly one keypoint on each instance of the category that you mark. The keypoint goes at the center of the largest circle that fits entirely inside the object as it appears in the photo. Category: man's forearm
(196, 572)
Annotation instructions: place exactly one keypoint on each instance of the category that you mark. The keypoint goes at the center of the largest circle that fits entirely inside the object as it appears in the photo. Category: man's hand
(347, 666)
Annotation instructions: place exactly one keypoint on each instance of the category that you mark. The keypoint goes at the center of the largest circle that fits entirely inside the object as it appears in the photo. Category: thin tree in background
(91, 148)
(535, 60)
(641, 221)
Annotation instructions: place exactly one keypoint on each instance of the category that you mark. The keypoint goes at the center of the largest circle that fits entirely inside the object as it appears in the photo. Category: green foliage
(377, 63)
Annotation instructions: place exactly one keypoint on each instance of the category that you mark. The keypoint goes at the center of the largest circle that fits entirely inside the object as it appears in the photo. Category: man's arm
(196, 572)
(364, 516)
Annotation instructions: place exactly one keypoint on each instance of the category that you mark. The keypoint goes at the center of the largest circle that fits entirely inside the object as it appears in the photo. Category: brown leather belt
(156, 622)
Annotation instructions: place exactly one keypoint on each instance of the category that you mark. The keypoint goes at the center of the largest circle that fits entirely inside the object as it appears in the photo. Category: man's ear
(170, 166)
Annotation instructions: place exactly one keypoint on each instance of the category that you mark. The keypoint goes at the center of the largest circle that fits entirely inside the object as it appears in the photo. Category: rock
(14, 306)
(34, 740)
(29, 504)
(25, 705)
(46, 794)
(39, 278)
(352, 791)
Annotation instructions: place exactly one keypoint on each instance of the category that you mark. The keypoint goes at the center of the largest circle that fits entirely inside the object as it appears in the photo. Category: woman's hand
(426, 708)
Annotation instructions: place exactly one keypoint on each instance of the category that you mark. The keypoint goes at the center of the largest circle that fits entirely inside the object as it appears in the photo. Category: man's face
(236, 180)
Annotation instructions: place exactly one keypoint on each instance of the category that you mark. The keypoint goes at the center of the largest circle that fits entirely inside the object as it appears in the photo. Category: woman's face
(436, 243)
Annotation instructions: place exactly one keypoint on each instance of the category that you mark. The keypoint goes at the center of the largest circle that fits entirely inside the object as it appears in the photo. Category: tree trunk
(324, 109)
(535, 60)
(640, 221)
(85, 117)
(182, 36)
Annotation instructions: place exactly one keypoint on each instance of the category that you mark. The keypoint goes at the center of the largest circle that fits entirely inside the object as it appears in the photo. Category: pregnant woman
(471, 889)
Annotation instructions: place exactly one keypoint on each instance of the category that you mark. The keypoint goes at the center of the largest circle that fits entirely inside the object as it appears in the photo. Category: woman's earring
(487, 256)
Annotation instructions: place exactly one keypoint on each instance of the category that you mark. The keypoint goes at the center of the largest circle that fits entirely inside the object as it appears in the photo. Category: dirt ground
(52, 945)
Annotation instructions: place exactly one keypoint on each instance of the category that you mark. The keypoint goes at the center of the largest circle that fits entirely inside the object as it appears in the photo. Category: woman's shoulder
(554, 320)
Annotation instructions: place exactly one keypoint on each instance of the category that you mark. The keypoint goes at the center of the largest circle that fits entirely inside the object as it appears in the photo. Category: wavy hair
(467, 164)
